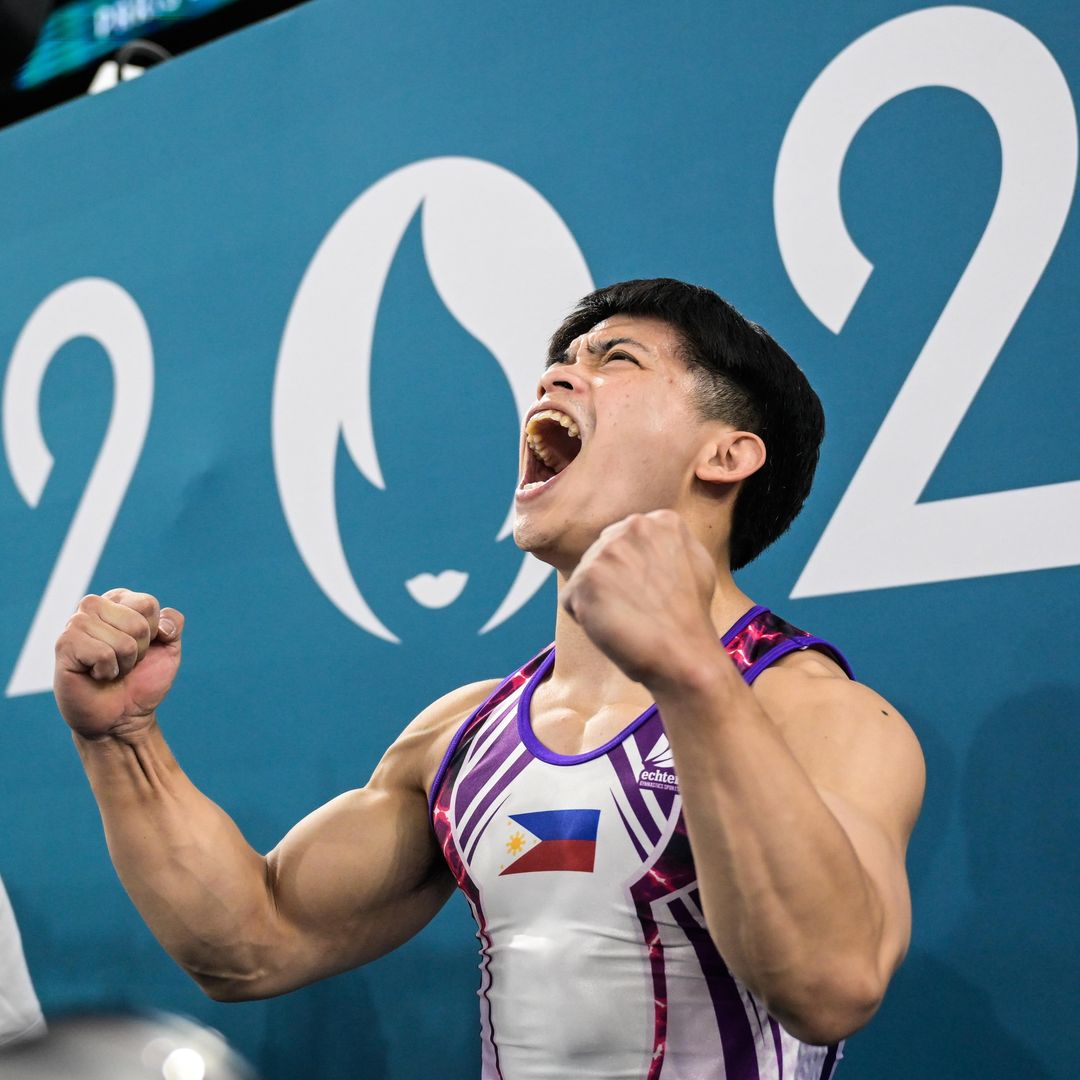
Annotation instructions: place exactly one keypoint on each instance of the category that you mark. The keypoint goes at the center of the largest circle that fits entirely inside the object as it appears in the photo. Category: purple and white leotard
(595, 959)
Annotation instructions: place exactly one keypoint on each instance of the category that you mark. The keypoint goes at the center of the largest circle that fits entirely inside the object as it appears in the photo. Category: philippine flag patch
(564, 840)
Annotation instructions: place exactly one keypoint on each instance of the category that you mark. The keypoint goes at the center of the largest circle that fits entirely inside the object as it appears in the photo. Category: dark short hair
(746, 380)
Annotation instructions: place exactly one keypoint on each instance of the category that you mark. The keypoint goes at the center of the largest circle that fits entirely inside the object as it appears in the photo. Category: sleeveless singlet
(595, 959)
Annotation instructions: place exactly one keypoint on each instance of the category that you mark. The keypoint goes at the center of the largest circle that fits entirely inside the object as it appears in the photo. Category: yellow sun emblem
(516, 843)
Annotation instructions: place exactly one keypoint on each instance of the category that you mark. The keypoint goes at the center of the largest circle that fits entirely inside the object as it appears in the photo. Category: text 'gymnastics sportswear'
(595, 959)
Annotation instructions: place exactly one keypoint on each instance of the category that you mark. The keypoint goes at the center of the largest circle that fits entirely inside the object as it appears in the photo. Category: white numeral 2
(99, 309)
(880, 535)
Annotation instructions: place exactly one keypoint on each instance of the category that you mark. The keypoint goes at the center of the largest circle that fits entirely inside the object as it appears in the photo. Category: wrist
(703, 672)
(124, 733)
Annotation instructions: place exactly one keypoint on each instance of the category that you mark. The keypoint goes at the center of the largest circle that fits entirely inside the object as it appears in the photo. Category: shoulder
(845, 734)
(414, 756)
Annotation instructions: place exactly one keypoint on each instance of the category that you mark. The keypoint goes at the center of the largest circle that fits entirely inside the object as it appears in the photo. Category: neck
(584, 674)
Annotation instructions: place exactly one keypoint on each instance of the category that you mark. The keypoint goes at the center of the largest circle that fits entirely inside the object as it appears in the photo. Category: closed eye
(621, 356)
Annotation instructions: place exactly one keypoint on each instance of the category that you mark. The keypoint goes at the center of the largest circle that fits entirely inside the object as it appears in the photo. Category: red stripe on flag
(556, 855)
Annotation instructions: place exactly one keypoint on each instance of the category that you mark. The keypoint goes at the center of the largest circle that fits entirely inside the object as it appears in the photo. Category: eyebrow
(611, 343)
(600, 349)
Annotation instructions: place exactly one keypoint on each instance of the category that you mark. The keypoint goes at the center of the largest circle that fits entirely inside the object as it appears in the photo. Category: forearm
(787, 901)
(198, 884)
(352, 880)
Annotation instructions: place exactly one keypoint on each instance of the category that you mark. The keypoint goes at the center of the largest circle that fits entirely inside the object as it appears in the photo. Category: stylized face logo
(503, 264)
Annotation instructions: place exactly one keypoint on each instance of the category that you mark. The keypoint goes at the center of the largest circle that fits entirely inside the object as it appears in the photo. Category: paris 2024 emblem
(484, 247)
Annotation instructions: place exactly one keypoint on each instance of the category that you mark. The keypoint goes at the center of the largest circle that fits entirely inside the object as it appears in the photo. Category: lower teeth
(534, 484)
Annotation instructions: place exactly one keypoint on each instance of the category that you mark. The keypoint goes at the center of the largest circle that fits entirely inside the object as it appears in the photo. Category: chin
(561, 551)
(533, 541)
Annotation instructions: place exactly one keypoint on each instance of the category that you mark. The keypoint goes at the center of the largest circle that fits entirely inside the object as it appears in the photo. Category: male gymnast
(720, 894)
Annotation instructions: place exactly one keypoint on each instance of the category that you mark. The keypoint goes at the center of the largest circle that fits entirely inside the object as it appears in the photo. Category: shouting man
(681, 828)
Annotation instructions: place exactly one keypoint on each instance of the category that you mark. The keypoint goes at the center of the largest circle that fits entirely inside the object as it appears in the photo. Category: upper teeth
(536, 440)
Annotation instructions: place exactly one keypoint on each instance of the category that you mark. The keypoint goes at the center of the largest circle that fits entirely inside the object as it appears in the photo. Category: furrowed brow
(599, 349)
(606, 346)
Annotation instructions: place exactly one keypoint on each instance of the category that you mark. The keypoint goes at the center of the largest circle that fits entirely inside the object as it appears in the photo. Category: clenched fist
(115, 662)
(643, 593)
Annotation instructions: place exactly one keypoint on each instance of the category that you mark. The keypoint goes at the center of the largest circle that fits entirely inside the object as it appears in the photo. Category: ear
(730, 457)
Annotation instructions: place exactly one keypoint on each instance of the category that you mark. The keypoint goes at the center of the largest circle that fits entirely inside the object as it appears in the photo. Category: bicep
(362, 874)
(874, 787)
(882, 861)
(356, 878)
(867, 767)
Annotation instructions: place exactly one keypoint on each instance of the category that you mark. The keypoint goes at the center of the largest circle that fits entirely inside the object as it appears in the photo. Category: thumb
(170, 626)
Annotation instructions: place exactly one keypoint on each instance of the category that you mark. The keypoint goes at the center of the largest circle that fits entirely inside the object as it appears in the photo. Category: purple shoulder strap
(477, 716)
(760, 638)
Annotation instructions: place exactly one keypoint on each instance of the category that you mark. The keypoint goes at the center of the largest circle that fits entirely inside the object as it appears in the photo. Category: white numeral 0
(99, 309)
(880, 535)
(505, 265)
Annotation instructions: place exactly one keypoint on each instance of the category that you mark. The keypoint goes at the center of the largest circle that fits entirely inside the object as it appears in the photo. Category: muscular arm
(799, 800)
(799, 796)
(348, 883)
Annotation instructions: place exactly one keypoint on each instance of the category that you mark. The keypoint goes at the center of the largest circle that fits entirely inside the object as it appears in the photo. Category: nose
(563, 376)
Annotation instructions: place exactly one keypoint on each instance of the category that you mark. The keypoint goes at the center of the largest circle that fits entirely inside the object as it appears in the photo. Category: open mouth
(552, 441)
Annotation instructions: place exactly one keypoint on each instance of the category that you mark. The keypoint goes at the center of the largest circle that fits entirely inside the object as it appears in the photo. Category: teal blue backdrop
(268, 316)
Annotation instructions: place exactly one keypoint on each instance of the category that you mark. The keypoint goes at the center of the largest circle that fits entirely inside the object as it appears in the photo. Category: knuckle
(77, 626)
(143, 603)
(91, 653)
(90, 603)
(127, 649)
(147, 604)
(132, 623)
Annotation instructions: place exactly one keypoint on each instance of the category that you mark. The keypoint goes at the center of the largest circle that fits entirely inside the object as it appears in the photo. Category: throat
(570, 732)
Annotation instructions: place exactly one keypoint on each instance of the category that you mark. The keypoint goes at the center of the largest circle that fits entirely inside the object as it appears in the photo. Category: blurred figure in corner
(20, 1013)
